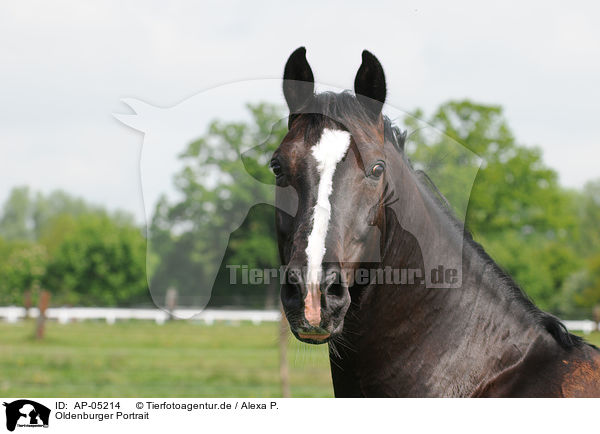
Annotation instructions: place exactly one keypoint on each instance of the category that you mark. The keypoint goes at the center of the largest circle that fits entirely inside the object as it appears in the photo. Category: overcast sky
(66, 66)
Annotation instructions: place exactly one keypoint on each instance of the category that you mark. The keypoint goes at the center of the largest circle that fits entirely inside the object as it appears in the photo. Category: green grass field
(142, 359)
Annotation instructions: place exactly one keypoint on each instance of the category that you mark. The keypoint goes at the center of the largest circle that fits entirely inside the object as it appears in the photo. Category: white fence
(586, 326)
(66, 314)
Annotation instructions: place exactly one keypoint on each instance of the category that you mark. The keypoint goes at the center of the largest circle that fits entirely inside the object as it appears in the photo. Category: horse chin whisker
(343, 342)
(333, 349)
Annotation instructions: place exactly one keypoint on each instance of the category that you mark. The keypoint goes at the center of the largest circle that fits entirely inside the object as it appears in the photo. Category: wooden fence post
(171, 302)
(27, 302)
(596, 315)
(41, 320)
(284, 372)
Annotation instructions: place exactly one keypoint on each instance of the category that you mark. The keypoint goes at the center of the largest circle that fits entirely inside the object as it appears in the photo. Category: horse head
(335, 157)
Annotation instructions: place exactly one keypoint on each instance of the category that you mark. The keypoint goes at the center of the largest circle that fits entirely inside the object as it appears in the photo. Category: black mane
(546, 320)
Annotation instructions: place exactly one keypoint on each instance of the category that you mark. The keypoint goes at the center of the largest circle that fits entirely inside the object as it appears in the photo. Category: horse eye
(377, 170)
(276, 168)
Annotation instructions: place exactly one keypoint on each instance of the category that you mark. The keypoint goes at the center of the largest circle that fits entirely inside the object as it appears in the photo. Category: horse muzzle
(315, 311)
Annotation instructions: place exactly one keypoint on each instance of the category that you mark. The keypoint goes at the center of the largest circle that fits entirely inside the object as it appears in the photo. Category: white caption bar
(141, 415)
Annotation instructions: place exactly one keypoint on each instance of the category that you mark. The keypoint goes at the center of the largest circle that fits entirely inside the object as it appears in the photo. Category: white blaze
(328, 152)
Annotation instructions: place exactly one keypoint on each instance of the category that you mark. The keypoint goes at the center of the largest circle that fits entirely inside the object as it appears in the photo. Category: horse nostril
(333, 285)
(291, 297)
(292, 293)
(293, 276)
(332, 277)
(336, 290)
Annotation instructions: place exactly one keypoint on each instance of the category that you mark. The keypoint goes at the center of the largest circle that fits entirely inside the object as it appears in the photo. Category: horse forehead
(365, 144)
(297, 148)
(368, 133)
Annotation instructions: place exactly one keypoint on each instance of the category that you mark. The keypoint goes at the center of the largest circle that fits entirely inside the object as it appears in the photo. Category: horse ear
(298, 80)
(369, 84)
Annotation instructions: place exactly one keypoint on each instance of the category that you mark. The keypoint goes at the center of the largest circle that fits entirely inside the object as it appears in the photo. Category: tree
(589, 214)
(516, 209)
(588, 294)
(79, 250)
(99, 262)
(25, 216)
(218, 188)
(586, 290)
(22, 268)
(46, 208)
(15, 223)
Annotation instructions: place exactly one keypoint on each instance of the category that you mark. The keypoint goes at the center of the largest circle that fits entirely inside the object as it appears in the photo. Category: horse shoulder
(548, 370)
(581, 377)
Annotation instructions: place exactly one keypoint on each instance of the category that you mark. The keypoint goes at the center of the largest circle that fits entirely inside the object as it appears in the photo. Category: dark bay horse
(360, 205)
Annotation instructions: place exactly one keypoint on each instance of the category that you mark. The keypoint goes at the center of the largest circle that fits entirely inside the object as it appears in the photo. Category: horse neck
(440, 337)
